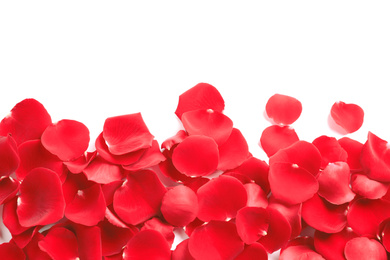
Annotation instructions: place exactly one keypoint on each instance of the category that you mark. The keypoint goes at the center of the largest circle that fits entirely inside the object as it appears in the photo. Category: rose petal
(277, 137)
(253, 251)
(353, 149)
(331, 151)
(364, 248)
(27, 121)
(169, 143)
(169, 170)
(109, 190)
(385, 234)
(126, 134)
(252, 223)
(300, 252)
(33, 251)
(101, 171)
(9, 156)
(233, 152)
(22, 239)
(195, 183)
(10, 218)
(348, 116)
(256, 196)
(8, 189)
(68, 139)
(11, 251)
(162, 227)
(196, 156)
(216, 240)
(181, 252)
(32, 209)
(221, 198)
(368, 188)
(151, 157)
(89, 241)
(210, 123)
(283, 109)
(202, 96)
(60, 244)
(79, 164)
(192, 226)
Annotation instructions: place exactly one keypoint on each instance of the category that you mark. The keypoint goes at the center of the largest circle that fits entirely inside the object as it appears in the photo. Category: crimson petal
(253, 251)
(89, 242)
(9, 156)
(60, 244)
(331, 246)
(385, 234)
(300, 253)
(233, 152)
(11, 251)
(283, 109)
(181, 252)
(364, 248)
(151, 157)
(256, 196)
(330, 149)
(101, 171)
(277, 137)
(252, 223)
(10, 218)
(163, 228)
(68, 139)
(169, 143)
(348, 116)
(79, 164)
(8, 189)
(368, 188)
(33, 251)
(353, 149)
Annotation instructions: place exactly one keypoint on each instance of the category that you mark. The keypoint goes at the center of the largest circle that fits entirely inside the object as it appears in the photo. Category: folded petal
(331, 246)
(103, 172)
(256, 196)
(151, 157)
(368, 188)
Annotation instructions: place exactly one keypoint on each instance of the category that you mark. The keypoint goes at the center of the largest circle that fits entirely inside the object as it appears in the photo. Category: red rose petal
(253, 251)
(33, 251)
(353, 149)
(162, 227)
(277, 137)
(330, 149)
(216, 240)
(151, 157)
(385, 234)
(147, 244)
(348, 116)
(195, 183)
(126, 134)
(283, 109)
(299, 252)
(252, 223)
(60, 244)
(221, 198)
(241, 177)
(79, 164)
(27, 121)
(192, 226)
(256, 196)
(68, 139)
(368, 188)
(169, 143)
(364, 248)
(291, 184)
(109, 191)
(202, 96)
(89, 242)
(139, 197)
(181, 252)
(301, 153)
(331, 246)
(9, 156)
(334, 183)
(323, 216)
(210, 123)
(11, 251)
(169, 170)
(375, 158)
(196, 156)
(101, 171)
(22, 239)
(179, 206)
(233, 152)
(10, 218)
(32, 209)
(8, 189)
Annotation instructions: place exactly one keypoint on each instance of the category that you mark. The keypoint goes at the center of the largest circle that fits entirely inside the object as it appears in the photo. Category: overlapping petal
(331, 246)
(103, 172)
(233, 152)
(60, 243)
(151, 157)
(364, 248)
(253, 251)
(277, 137)
(353, 149)
(256, 196)
(11, 251)
(330, 149)
(8, 189)
(368, 188)
(162, 227)
(252, 223)
(9, 156)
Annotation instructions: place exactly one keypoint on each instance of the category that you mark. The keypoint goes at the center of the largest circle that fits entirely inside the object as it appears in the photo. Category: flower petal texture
(60, 243)
(283, 109)
(252, 223)
(277, 137)
(364, 248)
(9, 156)
(233, 152)
(348, 116)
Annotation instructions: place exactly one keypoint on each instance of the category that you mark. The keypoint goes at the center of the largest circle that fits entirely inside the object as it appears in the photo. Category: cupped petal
(181, 251)
(277, 137)
(221, 198)
(8, 189)
(216, 240)
(103, 172)
(196, 156)
(253, 251)
(60, 244)
(68, 139)
(27, 121)
(11, 251)
(126, 134)
(139, 198)
(202, 96)
(41, 200)
(283, 109)
(9, 156)
(353, 149)
(256, 196)
(368, 188)
(252, 223)
(151, 157)
(162, 227)
(330, 149)
(210, 123)
(360, 248)
(233, 152)
(348, 116)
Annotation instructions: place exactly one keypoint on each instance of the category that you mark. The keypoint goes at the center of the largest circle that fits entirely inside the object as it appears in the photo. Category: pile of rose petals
(325, 199)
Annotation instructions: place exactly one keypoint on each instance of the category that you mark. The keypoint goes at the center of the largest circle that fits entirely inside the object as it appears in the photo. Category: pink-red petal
(8, 189)
(9, 156)
(331, 246)
(233, 152)
(151, 157)
(283, 109)
(364, 248)
(368, 188)
(60, 244)
(330, 149)
(253, 251)
(353, 149)
(11, 251)
(103, 172)
(348, 116)
(277, 137)
(252, 223)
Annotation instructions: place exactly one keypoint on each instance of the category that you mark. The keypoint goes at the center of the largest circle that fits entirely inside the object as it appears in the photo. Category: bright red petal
(181, 252)
(33, 251)
(331, 246)
(330, 149)
(364, 248)
(300, 253)
(10, 218)
(101, 171)
(202, 96)
(368, 188)
(60, 244)
(252, 223)
(253, 251)
(256, 196)
(283, 109)
(109, 191)
(348, 116)
(11, 251)
(277, 137)
(68, 139)
(162, 227)
(385, 234)
(151, 157)
(169, 143)
(353, 149)
(8, 189)
(9, 156)
(233, 152)
(79, 164)
(89, 242)
(169, 170)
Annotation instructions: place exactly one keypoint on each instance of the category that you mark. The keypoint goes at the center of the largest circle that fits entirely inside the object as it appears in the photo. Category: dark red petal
(139, 197)
(79, 164)
(179, 206)
(375, 158)
(33, 155)
(169, 143)
(221, 198)
(10, 218)
(256, 196)
(330, 149)
(300, 253)
(279, 231)
(301, 153)
(147, 244)
(253, 251)
(22, 239)
(11, 251)
(210, 123)
(163, 228)
(8, 189)
(101, 171)
(233, 152)
(126, 134)
(348, 116)
(334, 183)
(353, 149)
(181, 252)
(151, 157)
(202, 96)
(364, 248)
(290, 212)
(291, 183)
(9, 156)
(32, 208)
(277, 137)
(196, 156)
(331, 246)
(195, 183)
(368, 188)
(385, 234)
(89, 242)
(283, 109)
(252, 223)
(192, 226)
(216, 240)
(68, 139)
(60, 244)
(364, 216)
(33, 251)
(27, 121)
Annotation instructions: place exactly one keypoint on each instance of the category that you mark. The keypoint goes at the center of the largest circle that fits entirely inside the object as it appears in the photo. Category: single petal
(162, 227)
(368, 188)
(151, 157)
(9, 156)
(210, 123)
(8, 189)
(283, 109)
(364, 248)
(181, 251)
(11, 251)
(330, 149)
(277, 137)
(101, 171)
(348, 116)
(68, 139)
(126, 134)
(252, 223)
(253, 251)
(256, 196)
(233, 152)
(60, 244)
(202, 96)
(331, 246)
(353, 149)
(216, 240)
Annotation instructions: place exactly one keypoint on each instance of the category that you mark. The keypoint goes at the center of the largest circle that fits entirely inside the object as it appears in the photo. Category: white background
(88, 60)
